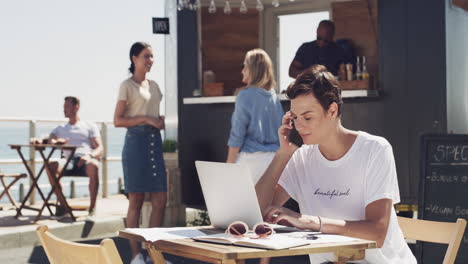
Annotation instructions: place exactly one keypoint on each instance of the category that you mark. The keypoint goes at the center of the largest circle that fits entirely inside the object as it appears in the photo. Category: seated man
(85, 161)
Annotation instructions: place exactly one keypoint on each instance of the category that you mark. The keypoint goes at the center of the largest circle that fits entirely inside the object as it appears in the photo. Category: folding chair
(6, 187)
(435, 232)
(60, 251)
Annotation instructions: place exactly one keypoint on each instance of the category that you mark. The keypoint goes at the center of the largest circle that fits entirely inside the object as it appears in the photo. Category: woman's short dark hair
(317, 80)
(135, 50)
(73, 100)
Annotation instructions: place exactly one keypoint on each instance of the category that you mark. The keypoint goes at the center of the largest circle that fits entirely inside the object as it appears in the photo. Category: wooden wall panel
(225, 40)
(353, 21)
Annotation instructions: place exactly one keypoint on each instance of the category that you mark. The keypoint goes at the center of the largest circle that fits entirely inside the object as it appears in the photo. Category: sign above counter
(232, 99)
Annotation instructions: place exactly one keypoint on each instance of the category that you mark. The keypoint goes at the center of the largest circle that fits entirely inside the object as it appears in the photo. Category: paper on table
(320, 238)
(155, 234)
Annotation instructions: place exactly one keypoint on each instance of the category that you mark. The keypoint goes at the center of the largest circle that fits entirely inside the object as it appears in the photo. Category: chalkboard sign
(443, 193)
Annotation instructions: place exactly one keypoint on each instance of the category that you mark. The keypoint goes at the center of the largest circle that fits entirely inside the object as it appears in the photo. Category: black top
(309, 53)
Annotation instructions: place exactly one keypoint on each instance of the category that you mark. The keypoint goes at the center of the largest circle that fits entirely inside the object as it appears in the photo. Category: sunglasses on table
(241, 229)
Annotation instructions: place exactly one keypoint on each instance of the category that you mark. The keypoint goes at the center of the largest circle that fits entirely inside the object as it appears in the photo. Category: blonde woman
(257, 116)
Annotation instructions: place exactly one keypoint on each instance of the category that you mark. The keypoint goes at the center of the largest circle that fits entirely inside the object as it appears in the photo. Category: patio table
(345, 251)
(42, 149)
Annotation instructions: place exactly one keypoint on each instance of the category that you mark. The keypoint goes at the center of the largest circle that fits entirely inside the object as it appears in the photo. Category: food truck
(414, 92)
(413, 55)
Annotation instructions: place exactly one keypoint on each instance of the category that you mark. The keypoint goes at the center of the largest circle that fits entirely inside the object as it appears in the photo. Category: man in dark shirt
(322, 51)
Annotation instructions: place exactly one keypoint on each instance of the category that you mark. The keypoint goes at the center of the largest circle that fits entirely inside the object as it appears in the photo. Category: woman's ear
(134, 59)
(333, 110)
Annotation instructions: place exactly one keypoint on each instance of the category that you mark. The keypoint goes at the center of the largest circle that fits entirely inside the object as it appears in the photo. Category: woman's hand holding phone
(283, 133)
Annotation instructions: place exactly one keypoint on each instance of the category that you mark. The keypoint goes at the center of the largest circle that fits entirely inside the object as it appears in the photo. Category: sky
(54, 48)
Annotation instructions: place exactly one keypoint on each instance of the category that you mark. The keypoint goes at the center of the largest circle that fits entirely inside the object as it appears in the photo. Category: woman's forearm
(232, 154)
(265, 187)
(130, 121)
(374, 230)
(374, 227)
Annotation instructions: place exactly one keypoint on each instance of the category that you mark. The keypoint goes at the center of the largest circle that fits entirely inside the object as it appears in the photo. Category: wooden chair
(435, 232)
(6, 187)
(60, 251)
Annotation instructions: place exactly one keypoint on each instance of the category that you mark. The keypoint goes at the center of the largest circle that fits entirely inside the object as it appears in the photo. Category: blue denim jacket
(255, 121)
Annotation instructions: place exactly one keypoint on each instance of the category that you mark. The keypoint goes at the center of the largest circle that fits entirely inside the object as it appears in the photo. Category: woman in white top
(344, 181)
(142, 159)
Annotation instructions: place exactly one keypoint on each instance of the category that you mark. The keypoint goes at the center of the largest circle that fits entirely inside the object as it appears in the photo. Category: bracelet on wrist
(320, 223)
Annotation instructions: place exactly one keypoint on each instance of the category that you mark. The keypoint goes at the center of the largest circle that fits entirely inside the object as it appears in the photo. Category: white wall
(457, 68)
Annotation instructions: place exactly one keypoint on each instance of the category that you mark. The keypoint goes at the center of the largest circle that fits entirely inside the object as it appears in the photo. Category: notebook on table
(275, 241)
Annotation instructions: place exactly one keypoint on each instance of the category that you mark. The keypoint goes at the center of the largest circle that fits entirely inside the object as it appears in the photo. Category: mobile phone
(294, 136)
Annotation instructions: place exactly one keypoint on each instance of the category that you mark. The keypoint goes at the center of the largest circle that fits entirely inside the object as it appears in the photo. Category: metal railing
(32, 161)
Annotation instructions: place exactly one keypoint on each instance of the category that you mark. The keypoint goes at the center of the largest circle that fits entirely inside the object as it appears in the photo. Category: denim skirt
(142, 160)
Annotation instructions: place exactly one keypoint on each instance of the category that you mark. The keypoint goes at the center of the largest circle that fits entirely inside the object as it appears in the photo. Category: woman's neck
(139, 77)
(338, 143)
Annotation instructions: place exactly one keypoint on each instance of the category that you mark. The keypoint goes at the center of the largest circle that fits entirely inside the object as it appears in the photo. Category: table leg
(46, 201)
(33, 183)
(154, 254)
(34, 180)
(44, 166)
(56, 182)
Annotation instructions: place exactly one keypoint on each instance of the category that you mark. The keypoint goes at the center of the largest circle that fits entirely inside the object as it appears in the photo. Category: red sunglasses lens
(263, 230)
(237, 229)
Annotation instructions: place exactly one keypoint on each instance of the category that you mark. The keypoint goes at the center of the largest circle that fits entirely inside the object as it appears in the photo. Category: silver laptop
(229, 193)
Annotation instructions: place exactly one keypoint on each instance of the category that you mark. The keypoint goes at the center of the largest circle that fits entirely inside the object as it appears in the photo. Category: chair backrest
(60, 251)
(435, 232)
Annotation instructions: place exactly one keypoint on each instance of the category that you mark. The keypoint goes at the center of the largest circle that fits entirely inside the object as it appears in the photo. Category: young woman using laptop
(344, 181)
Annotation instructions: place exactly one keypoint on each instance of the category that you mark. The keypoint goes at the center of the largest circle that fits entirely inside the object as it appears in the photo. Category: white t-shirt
(79, 134)
(342, 189)
(142, 99)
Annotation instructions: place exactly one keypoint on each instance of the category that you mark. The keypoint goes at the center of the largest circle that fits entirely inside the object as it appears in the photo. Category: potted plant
(170, 153)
